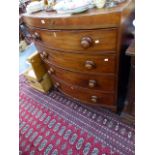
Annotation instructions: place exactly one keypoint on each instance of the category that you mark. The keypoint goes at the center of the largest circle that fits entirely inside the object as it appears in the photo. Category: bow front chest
(81, 52)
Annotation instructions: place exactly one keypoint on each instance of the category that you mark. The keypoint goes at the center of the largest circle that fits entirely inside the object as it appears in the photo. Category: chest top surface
(92, 18)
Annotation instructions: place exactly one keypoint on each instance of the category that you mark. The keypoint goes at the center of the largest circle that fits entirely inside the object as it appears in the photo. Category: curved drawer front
(94, 82)
(88, 63)
(77, 40)
(86, 95)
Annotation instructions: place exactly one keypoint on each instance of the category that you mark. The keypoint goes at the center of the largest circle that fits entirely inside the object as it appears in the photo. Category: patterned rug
(54, 124)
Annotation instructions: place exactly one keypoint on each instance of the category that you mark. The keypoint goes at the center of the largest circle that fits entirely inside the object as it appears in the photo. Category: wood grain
(91, 19)
(102, 63)
(103, 83)
(102, 39)
(85, 95)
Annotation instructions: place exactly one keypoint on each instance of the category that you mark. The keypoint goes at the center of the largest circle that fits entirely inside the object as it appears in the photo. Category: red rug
(54, 124)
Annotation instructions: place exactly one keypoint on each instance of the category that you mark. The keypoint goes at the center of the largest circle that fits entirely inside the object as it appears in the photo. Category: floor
(23, 65)
(56, 124)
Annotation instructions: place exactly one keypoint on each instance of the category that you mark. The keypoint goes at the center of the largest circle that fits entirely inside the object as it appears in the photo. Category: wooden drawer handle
(44, 55)
(94, 99)
(92, 83)
(51, 71)
(86, 42)
(36, 36)
(57, 85)
(89, 64)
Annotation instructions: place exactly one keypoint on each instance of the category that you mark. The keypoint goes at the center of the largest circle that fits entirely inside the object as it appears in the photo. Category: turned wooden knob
(94, 99)
(57, 85)
(92, 83)
(89, 64)
(44, 55)
(51, 71)
(36, 36)
(86, 42)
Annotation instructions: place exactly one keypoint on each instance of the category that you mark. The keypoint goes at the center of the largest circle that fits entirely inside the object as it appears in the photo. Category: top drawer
(77, 40)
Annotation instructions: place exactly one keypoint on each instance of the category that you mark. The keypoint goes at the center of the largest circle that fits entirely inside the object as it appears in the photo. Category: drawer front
(86, 95)
(88, 63)
(94, 82)
(77, 40)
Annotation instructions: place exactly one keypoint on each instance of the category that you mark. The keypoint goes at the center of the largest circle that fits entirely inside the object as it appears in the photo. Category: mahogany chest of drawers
(81, 52)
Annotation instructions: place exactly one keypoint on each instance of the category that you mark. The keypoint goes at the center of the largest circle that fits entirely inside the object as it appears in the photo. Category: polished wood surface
(94, 82)
(77, 40)
(91, 19)
(82, 51)
(86, 95)
(87, 63)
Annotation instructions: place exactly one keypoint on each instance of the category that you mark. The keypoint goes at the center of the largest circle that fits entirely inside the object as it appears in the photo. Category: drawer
(86, 95)
(94, 82)
(77, 40)
(88, 63)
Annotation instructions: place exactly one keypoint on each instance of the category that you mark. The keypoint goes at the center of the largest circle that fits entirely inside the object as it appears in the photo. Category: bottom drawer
(86, 95)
